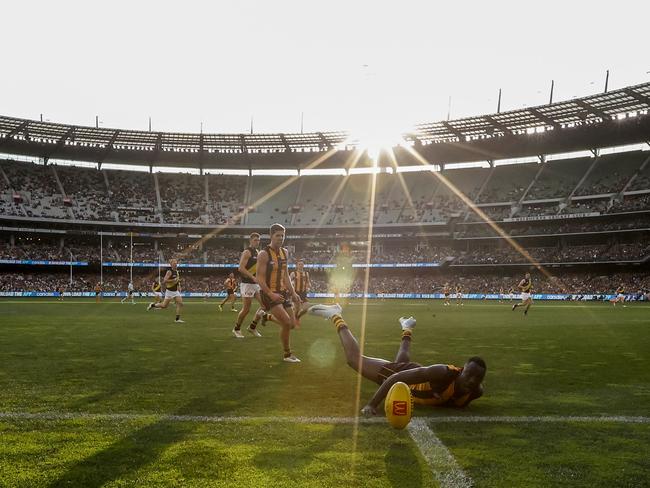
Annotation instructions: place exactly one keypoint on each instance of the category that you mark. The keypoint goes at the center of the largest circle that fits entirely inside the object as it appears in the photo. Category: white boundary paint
(443, 465)
(51, 415)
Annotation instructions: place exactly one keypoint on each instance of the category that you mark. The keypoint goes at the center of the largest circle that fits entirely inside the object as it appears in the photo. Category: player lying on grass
(436, 385)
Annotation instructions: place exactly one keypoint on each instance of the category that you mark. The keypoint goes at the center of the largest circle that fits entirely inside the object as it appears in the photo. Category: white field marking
(444, 466)
(542, 419)
(51, 415)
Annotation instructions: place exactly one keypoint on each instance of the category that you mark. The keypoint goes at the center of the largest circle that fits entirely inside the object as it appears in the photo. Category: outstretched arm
(435, 373)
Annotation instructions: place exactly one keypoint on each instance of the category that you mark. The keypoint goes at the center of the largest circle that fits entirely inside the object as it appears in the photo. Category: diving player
(435, 385)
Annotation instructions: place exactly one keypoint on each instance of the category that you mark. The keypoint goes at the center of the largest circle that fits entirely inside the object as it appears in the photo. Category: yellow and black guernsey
(156, 286)
(620, 290)
(301, 278)
(526, 285)
(251, 265)
(276, 268)
(443, 394)
(174, 280)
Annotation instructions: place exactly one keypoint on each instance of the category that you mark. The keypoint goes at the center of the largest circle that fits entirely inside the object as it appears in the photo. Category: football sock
(339, 322)
(237, 325)
(287, 353)
(253, 323)
(178, 317)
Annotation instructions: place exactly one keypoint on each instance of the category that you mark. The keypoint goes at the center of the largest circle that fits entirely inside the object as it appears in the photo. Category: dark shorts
(130, 293)
(303, 296)
(230, 292)
(97, 293)
(446, 295)
(390, 369)
(268, 304)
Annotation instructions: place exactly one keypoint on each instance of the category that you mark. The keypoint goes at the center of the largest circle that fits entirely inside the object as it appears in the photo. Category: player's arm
(435, 374)
(260, 275)
(307, 281)
(168, 279)
(477, 393)
(289, 284)
(245, 256)
(292, 277)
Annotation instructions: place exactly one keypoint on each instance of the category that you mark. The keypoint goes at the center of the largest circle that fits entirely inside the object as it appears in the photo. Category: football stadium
(463, 300)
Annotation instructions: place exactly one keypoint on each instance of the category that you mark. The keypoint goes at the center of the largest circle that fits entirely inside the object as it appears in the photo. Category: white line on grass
(319, 420)
(444, 466)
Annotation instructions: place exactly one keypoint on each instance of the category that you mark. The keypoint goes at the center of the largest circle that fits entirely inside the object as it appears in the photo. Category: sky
(336, 65)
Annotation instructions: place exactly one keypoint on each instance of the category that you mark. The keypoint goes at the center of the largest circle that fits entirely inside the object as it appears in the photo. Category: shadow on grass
(403, 468)
(132, 452)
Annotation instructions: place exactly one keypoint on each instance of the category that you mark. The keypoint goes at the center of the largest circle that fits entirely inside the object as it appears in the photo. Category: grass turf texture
(563, 359)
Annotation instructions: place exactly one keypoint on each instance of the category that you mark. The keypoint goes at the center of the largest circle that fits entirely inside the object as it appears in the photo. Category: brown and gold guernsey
(276, 268)
(526, 286)
(443, 394)
(251, 265)
(230, 284)
(300, 281)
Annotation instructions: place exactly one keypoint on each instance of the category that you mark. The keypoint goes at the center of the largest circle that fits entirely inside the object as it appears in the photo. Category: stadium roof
(612, 118)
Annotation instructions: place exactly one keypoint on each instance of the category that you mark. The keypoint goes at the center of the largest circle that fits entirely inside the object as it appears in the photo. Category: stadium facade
(563, 188)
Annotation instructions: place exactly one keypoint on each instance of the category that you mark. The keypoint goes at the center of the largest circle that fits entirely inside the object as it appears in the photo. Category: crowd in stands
(497, 252)
(66, 192)
(490, 283)
(556, 254)
(557, 227)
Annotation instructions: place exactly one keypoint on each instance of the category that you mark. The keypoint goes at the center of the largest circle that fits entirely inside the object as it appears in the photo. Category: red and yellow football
(399, 405)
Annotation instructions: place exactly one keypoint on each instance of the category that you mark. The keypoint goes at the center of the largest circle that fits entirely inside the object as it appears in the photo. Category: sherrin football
(398, 405)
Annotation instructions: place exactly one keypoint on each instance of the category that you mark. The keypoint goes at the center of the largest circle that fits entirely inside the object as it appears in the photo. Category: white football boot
(255, 332)
(325, 311)
(291, 359)
(237, 334)
(407, 323)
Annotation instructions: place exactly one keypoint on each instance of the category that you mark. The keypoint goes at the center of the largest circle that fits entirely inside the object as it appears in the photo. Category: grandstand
(589, 207)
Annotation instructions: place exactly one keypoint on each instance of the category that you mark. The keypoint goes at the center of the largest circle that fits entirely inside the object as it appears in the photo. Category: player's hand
(368, 411)
(276, 297)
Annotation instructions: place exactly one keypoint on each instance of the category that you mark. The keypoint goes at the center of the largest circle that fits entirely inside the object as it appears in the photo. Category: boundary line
(443, 464)
(51, 415)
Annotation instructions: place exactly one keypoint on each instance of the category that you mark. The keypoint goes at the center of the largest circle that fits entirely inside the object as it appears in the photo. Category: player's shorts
(525, 296)
(129, 293)
(230, 291)
(157, 294)
(172, 294)
(459, 295)
(389, 369)
(620, 296)
(97, 293)
(248, 290)
(446, 295)
(303, 296)
(268, 304)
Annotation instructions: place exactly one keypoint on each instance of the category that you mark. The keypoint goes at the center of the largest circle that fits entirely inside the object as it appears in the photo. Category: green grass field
(110, 395)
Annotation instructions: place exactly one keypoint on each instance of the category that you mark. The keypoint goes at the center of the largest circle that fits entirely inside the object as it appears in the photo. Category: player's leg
(179, 308)
(162, 305)
(233, 300)
(286, 322)
(404, 351)
(246, 306)
(367, 366)
(529, 302)
(259, 315)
